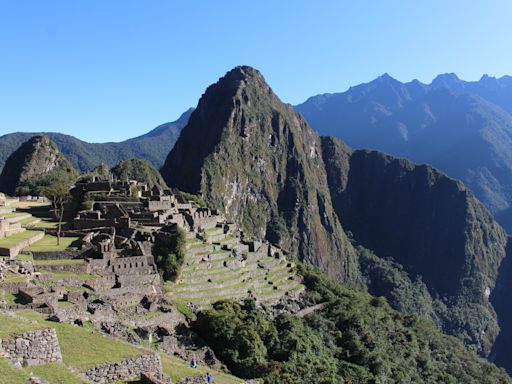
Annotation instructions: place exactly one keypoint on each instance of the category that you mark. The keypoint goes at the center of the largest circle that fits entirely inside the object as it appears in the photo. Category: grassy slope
(83, 348)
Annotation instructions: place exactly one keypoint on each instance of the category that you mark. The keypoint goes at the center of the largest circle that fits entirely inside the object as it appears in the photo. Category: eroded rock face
(254, 158)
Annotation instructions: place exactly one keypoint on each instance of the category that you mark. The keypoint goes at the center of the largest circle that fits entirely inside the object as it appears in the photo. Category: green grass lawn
(28, 220)
(13, 278)
(13, 240)
(12, 326)
(49, 243)
(60, 262)
(63, 275)
(9, 215)
(82, 348)
(49, 223)
(11, 375)
(55, 373)
(24, 257)
(29, 204)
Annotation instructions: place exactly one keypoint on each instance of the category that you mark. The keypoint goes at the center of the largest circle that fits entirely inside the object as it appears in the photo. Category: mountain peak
(446, 80)
(256, 160)
(28, 168)
(243, 71)
(238, 77)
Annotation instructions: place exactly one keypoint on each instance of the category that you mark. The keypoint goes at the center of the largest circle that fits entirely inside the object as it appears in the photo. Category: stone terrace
(224, 267)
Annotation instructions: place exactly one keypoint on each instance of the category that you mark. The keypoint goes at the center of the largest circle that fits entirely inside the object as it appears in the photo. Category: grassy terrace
(47, 223)
(73, 275)
(10, 215)
(13, 240)
(12, 326)
(29, 221)
(55, 373)
(49, 243)
(60, 262)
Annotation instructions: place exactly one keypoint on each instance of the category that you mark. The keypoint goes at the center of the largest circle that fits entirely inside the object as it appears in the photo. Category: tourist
(209, 378)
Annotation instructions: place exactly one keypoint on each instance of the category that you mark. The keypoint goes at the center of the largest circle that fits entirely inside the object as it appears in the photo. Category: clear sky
(107, 70)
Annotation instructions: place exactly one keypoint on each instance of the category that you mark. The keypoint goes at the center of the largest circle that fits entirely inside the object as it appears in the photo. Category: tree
(58, 194)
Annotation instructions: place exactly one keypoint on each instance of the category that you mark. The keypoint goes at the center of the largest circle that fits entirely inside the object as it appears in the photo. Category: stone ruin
(155, 208)
(7, 228)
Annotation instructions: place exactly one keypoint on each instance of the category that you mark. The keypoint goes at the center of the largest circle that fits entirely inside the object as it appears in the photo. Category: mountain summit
(254, 158)
(34, 162)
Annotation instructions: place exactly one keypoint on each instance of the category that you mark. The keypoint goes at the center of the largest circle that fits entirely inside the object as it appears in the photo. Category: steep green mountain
(153, 146)
(140, 170)
(462, 128)
(254, 158)
(422, 239)
(36, 163)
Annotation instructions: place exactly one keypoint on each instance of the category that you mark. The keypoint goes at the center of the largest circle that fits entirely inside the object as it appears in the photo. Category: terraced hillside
(219, 266)
(14, 223)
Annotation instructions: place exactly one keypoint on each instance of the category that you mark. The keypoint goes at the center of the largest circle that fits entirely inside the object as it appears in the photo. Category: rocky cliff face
(33, 164)
(253, 157)
(429, 224)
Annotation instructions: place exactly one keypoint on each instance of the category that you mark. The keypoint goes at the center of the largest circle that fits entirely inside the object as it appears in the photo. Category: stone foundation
(129, 369)
(34, 347)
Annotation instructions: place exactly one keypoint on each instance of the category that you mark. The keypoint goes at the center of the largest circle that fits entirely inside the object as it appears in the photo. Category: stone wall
(129, 369)
(34, 347)
(132, 265)
(71, 268)
(60, 255)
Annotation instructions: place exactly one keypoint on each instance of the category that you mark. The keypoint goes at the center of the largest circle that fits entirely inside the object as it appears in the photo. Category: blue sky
(109, 70)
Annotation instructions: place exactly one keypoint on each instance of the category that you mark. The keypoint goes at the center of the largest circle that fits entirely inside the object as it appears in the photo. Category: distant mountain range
(463, 128)
(153, 146)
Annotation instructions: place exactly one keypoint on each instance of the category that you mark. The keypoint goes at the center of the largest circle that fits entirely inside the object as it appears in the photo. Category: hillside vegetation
(37, 163)
(352, 338)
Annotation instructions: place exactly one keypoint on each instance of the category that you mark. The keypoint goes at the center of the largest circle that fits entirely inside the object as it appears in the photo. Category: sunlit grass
(49, 243)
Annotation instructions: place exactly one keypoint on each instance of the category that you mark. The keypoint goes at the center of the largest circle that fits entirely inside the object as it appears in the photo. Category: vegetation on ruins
(169, 252)
(196, 199)
(354, 338)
